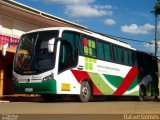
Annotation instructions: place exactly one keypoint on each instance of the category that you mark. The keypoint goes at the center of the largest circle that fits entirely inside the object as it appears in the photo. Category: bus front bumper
(46, 87)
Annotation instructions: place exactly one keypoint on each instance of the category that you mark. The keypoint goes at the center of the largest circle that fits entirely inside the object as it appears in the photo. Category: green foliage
(157, 7)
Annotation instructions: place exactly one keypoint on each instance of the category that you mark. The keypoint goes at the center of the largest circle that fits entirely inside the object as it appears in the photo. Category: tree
(157, 7)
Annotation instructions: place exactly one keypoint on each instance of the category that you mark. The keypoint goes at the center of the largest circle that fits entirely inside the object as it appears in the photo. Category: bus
(68, 61)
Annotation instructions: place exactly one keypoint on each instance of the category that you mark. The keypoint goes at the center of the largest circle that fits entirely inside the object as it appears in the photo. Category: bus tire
(85, 92)
(141, 93)
(156, 98)
(48, 98)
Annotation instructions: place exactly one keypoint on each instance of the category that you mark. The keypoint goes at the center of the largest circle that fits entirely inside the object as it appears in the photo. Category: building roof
(24, 10)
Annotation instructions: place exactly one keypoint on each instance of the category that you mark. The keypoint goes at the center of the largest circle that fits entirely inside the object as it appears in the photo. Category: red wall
(5, 39)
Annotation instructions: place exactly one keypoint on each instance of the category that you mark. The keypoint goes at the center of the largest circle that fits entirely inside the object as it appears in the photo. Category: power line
(122, 38)
(129, 39)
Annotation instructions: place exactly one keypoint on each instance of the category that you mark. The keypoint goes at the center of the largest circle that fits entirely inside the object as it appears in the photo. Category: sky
(131, 19)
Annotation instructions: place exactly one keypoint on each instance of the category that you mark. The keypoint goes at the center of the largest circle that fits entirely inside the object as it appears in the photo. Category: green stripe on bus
(101, 84)
(48, 87)
(116, 81)
(135, 93)
(113, 80)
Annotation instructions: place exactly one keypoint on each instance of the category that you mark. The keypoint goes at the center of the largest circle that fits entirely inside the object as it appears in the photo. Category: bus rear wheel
(85, 93)
(141, 93)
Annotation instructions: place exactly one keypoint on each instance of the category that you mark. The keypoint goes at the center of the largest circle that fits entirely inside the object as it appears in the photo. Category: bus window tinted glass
(126, 60)
(73, 38)
(100, 50)
(120, 56)
(107, 51)
(128, 57)
(115, 56)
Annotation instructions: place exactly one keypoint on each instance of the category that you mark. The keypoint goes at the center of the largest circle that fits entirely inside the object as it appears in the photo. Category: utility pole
(156, 34)
(156, 12)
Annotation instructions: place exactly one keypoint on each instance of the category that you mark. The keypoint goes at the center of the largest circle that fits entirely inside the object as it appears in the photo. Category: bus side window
(100, 50)
(115, 54)
(107, 51)
(130, 58)
(134, 61)
(126, 58)
(120, 55)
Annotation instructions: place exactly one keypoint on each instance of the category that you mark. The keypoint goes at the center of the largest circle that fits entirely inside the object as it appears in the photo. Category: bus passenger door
(65, 57)
(66, 83)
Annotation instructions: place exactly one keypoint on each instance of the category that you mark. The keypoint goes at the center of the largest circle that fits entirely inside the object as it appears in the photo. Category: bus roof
(90, 33)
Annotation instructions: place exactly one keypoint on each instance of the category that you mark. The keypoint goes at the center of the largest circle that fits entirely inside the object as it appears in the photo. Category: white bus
(62, 60)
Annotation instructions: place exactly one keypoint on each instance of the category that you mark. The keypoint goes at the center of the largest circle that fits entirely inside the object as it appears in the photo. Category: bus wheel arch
(86, 90)
(142, 92)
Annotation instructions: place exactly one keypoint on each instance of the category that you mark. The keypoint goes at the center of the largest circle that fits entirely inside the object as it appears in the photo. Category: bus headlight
(49, 77)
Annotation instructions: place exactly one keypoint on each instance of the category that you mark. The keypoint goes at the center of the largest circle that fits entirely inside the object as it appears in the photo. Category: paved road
(80, 108)
(69, 110)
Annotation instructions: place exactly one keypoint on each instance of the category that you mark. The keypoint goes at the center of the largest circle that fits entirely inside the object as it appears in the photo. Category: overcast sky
(124, 18)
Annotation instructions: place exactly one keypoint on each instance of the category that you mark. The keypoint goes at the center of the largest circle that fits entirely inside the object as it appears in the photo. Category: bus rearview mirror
(51, 45)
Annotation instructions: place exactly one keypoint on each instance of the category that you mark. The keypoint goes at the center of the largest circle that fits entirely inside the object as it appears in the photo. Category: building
(16, 19)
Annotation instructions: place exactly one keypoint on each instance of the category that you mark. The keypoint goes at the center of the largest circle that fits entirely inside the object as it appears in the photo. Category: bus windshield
(32, 56)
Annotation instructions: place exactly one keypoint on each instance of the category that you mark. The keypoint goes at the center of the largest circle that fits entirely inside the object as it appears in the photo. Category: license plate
(28, 89)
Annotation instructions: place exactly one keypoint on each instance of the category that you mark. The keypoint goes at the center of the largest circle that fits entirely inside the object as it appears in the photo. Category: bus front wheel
(85, 93)
(48, 97)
